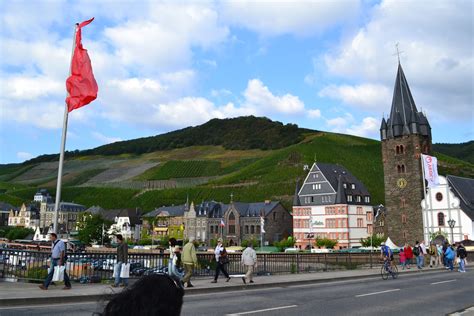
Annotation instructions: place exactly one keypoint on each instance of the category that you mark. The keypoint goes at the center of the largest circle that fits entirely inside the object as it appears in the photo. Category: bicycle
(387, 269)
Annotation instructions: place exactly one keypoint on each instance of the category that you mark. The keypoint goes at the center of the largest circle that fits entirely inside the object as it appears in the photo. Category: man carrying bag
(121, 268)
(58, 260)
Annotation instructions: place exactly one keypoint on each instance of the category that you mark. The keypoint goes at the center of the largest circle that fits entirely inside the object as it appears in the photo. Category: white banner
(262, 224)
(430, 165)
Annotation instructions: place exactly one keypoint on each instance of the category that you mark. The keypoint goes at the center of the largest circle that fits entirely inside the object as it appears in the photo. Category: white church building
(449, 208)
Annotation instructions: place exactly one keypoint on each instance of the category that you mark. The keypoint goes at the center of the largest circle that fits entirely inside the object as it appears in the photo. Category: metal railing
(96, 267)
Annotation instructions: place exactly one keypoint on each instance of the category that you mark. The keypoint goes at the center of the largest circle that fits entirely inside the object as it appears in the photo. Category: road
(436, 293)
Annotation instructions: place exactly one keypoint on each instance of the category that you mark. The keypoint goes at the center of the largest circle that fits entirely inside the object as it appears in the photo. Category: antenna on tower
(398, 52)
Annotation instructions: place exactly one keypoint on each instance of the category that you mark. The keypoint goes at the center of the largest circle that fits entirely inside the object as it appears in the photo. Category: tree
(284, 243)
(376, 241)
(90, 228)
(325, 242)
(12, 233)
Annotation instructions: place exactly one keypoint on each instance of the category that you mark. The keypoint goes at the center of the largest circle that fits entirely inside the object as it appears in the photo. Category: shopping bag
(116, 270)
(58, 274)
(458, 260)
(125, 271)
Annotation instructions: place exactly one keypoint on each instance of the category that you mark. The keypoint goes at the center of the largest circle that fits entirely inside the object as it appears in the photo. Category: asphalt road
(437, 293)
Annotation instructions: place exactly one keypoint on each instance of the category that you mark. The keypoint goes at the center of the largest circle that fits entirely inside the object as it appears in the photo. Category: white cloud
(301, 18)
(42, 115)
(437, 58)
(30, 88)
(105, 139)
(314, 113)
(260, 98)
(347, 125)
(364, 96)
(22, 155)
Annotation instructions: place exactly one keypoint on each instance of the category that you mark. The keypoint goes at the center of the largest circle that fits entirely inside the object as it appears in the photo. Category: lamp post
(451, 223)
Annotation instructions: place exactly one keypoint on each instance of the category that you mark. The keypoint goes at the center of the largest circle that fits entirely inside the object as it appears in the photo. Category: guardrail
(95, 267)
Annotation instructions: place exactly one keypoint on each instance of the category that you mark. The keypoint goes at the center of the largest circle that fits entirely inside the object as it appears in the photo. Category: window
(252, 229)
(344, 185)
(441, 219)
(353, 186)
(258, 229)
(349, 198)
(274, 216)
(360, 222)
(360, 211)
(401, 149)
(403, 202)
(369, 229)
(397, 150)
(404, 219)
(359, 199)
(367, 199)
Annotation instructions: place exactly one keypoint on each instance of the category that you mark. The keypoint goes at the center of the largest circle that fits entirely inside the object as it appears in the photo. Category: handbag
(223, 257)
(58, 274)
(125, 271)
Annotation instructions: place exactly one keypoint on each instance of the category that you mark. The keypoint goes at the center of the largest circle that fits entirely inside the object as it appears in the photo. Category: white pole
(425, 213)
(63, 145)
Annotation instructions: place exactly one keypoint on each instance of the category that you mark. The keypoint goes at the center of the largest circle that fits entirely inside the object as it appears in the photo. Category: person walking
(174, 260)
(122, 257)
(439, 249)
(58, 258)
(423, 252)
(189, 260)
(450, 254)
(433, 251)
(462, 254)
(408, 255)
(249, 260)
(419, 255)
(403, 258)
(222, 259)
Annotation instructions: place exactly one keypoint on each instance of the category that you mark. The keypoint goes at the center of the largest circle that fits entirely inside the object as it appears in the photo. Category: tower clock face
(402, 183)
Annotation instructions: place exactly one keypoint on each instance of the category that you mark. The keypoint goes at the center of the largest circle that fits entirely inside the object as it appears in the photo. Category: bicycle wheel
(384, 273)
(394, 272)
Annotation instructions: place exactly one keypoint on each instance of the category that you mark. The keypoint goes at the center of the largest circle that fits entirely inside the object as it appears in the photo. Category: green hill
(250, 161)
(462, 151)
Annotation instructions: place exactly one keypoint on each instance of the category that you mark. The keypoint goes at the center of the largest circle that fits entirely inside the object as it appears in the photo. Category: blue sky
(165, 65)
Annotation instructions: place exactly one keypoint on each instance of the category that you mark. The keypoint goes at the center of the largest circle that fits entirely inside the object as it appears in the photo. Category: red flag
(81, 84)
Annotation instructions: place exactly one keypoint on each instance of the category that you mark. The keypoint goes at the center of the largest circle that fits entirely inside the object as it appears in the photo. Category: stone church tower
(405, 135)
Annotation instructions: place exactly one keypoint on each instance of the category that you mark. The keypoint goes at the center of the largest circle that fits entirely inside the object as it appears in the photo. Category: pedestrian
(156, 294)
(222, 259)
(462, 254)
(418, 255)
(450, 254)
(445, 247)
(249, 260)
(58, 258)
(403, 258)
(433, 251)
(439, 249)
(408, 255)
(122, 258)
(174, 260)
(189, 260)
(423, 252)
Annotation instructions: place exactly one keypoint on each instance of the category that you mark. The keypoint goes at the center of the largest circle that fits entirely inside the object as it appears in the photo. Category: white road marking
(262, 310)
(48, 305)
(443, 282)
(375, 293)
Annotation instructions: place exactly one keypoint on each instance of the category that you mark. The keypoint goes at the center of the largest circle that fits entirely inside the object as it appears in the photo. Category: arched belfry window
(440, 219)
(397, 149)
(401, 149)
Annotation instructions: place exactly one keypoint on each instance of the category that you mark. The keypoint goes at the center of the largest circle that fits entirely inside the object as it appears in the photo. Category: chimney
(267, 202)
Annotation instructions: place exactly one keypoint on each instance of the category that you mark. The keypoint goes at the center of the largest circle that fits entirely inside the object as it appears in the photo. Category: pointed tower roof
(402, 101)
(384, 124)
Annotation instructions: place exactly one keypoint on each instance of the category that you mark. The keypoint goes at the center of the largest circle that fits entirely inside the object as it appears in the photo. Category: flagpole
(63, 145)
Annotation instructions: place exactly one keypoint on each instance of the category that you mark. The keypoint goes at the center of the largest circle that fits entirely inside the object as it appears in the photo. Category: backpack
(416, 251)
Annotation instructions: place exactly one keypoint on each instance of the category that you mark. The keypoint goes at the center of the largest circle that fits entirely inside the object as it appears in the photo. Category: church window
(440, 219)
(231, 223)
(439, 196)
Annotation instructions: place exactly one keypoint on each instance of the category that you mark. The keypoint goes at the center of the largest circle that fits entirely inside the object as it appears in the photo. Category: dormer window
(353, 186)
(367, 199)
(344, 185)
(349, 198)
(358, 198)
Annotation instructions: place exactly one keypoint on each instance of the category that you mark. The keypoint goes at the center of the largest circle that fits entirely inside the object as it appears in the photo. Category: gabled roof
(332, 173)
(175, 210)
(5, 207)
(67, 207)
(463, 188)
(132, 214)
(255, 209)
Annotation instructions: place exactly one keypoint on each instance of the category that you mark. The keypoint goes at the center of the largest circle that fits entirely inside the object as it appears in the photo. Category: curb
(13, 302)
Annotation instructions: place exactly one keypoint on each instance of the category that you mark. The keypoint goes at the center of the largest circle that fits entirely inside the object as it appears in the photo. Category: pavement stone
(22, 293)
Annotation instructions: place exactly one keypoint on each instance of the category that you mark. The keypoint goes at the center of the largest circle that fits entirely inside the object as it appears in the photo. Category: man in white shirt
(249, 260)
(58, 258)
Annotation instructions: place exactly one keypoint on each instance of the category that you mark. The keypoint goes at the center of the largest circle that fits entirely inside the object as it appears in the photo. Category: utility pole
(102, 234)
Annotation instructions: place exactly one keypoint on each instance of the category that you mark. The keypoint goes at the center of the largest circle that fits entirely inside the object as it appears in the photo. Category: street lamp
(451, 223)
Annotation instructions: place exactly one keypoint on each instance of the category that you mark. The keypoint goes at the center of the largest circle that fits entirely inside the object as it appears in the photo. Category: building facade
(405, 135)
(452, 201)
(27, 216)
(126, 222)
(332, 204)
(68, 214)
(166, 221)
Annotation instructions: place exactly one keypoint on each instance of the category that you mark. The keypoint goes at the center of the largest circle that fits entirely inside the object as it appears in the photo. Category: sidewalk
(18, 293)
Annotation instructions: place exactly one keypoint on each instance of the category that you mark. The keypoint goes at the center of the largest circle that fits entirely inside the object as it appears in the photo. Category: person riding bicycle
(386, 253)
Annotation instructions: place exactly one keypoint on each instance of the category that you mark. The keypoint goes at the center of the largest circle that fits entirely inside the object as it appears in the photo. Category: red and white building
(333, 204)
